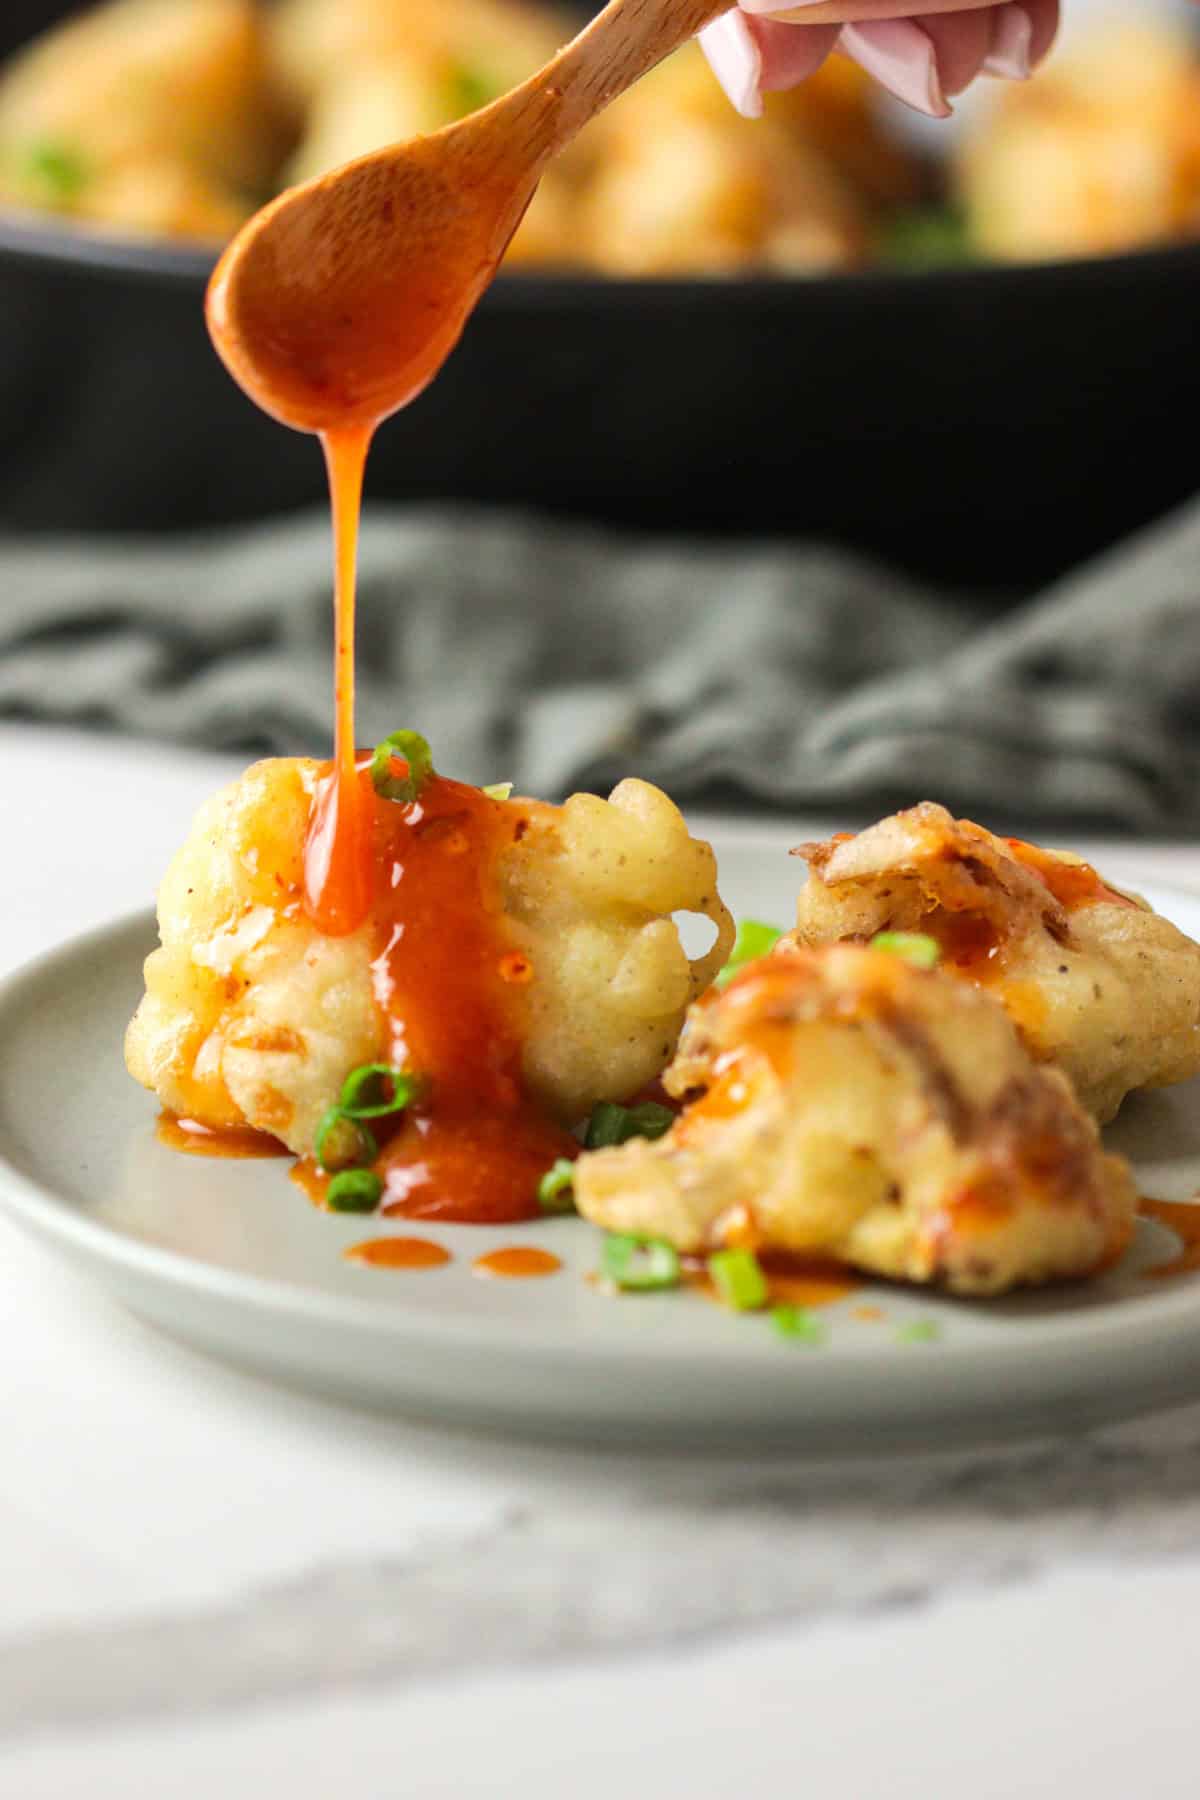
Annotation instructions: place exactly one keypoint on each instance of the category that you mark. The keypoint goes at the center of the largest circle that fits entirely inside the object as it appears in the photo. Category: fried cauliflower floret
(1096, 981)
(590, 891)
(1100, 154)
(857, 1107)
(685, 186)
(146, 114)
(252, 1016)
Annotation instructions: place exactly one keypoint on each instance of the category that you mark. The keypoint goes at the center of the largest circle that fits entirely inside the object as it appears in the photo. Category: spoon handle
(621, 44)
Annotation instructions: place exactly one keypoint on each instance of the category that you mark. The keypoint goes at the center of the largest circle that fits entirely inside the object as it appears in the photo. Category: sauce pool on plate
(517, 1262)
(235, 1142)
(399, 1253)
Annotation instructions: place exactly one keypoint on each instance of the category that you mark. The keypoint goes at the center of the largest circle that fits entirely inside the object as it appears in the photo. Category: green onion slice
(738, 1278)
(342, 1141)
(57, 169)
(914, 946)
(919, 1331)
(754, 939)
(797, 1324)
(611, 1124)
(555, 1192)
(469, 86)
(411, 749)
(374, 1090)
(354, 1191)
(499, 790)
(639, 1265)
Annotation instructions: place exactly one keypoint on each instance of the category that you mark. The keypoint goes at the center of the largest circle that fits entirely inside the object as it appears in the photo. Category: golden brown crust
(852, 1105)
(1095, 980)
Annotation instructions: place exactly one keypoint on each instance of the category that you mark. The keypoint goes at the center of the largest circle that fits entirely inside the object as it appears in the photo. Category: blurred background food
(175, 118)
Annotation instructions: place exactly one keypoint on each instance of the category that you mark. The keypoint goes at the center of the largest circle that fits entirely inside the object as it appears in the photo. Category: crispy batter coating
(251, 1016)
(1096, 981)
(857, 1107)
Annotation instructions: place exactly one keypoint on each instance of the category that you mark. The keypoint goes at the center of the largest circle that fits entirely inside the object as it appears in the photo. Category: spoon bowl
(339, 302)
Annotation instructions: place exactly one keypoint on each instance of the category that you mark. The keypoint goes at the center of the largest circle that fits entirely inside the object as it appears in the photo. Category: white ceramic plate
(230, 1257)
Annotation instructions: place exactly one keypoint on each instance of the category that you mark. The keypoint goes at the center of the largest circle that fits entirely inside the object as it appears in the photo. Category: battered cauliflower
(251, 1016)
(148, 115)
(1097, 982)
(857, 1107)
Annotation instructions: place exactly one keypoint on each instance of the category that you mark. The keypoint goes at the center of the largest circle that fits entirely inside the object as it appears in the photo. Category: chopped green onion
(927, 237)
(354, 1191)
(411, 749)
(468, 86)
(923, 952)
(499, 790)
(797, 1324)
(919, 1331)
(611, 1124)
(341, 1141)
(754, 939)
(365, 1092)
(55, 168)
(555, 1192)
(639, 1265)
(738, 1278)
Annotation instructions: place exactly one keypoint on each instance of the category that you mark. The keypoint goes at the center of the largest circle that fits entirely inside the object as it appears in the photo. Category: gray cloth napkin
(562, 655)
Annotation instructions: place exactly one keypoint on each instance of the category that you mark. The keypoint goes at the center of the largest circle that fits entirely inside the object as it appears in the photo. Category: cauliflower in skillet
(852, 1105)
(252, 1017)
(1096, 981)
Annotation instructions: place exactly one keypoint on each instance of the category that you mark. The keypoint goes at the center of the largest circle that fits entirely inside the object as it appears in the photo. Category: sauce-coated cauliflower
(1097, 982)
(857, 1107)
(251, 1016)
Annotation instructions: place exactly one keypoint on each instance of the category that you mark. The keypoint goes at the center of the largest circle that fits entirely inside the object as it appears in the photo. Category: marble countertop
(205, 1579)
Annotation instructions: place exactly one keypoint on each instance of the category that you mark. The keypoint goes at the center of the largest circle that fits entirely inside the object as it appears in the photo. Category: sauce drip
(967, 941)
(399, 1253)
(336, 875)
(518, 1263)
(1073, 884)
(329, 350)
(1183, 1218)
(235, 1141)
(473, 1148)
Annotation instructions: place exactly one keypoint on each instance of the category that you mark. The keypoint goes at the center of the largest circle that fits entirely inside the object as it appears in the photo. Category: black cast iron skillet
(989, 426)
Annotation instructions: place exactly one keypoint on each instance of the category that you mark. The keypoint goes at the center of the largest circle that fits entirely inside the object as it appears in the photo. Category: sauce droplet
(236, 1141)
(517, 1263)
(399, 1253)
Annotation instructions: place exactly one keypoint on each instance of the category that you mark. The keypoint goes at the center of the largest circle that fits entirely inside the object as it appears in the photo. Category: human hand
(923, 58)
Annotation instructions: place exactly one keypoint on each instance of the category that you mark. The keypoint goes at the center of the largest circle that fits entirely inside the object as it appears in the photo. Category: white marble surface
(205, 1581)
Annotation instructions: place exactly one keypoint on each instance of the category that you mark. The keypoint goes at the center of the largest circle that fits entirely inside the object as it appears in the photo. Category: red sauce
(337, 856)
(399, 1253)
(968, 941)
(310, 1180)
(808, 1280)
(474, 1148)
(791, 1280)
(519, 1263)
(1073, 884)
(236, 1141)
(423, 878)
(1183, 1218)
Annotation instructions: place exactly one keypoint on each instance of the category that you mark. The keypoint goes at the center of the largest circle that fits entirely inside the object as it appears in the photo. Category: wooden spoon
(339, 302)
